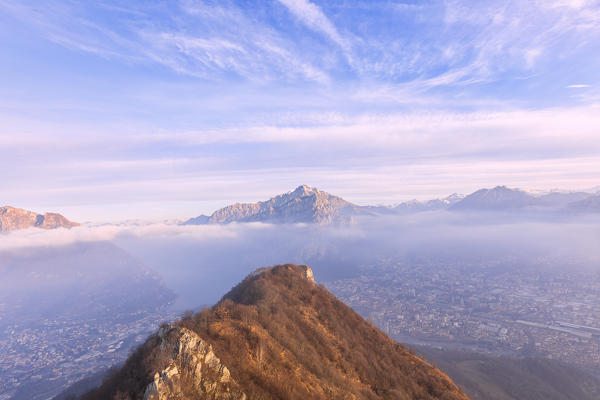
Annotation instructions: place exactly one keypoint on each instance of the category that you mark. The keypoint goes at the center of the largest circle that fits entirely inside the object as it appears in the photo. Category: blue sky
(162, 109)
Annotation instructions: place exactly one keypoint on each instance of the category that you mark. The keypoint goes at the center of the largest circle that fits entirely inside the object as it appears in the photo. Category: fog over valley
(221, 254)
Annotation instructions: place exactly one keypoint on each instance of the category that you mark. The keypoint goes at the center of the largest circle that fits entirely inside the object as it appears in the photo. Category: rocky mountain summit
(12, 218)
(304, 204)
(276, 335)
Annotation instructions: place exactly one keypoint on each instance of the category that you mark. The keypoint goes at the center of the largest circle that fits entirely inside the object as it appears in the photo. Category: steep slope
(15, 218)
(278, 335)
(304, 204)
(489, 377)
(499, 198)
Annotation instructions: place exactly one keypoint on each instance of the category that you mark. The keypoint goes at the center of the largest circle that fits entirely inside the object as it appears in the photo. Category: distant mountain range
(502, 198)
(310, 205)
(276, 335)
(12, 218)
(430, 205)
(307, 204)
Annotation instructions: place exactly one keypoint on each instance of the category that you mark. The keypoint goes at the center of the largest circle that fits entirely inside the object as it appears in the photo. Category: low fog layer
(79, 281)
(200, 263)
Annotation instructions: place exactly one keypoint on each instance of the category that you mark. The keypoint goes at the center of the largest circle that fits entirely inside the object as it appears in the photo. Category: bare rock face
(15, 218)
(193, 367)
(308, 273)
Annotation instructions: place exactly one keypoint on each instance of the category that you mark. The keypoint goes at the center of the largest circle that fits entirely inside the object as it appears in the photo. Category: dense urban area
(38, 360)
(501, 307)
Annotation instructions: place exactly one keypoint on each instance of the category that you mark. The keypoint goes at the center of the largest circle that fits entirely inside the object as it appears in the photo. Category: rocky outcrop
(308, 273)
(304, 271)
(15, 218)
(193, 368)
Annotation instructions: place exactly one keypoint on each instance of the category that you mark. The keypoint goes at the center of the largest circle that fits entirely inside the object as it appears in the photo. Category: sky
(170, 109)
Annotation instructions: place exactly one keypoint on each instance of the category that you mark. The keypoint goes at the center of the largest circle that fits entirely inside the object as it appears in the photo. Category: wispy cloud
(579, 86)
(314, 18)
(202, 41)
(490, 39)
(89, 233)
(436, 45)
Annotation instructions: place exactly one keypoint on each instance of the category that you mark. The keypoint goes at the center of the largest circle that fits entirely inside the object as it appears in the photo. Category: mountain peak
(498, 198)
(304, 190)
(453, 198)
(294, 276)
(304, 204)
(12, 218)
(502, 188)
(277, 335)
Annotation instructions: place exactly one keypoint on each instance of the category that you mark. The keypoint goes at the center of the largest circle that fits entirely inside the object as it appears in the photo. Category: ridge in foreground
(276, 335)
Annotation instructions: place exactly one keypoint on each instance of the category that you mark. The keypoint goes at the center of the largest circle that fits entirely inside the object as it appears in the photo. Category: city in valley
(42, 358)
(500, 306)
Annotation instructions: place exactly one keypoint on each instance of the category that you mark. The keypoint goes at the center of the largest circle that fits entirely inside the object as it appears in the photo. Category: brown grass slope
(284, 337)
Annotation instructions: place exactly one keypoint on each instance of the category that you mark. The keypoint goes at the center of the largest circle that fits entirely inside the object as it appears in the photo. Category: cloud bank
(200, 263)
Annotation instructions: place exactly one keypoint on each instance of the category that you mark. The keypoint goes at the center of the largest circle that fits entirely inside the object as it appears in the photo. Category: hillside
(15, 218)
(489, 377)
(276, 335)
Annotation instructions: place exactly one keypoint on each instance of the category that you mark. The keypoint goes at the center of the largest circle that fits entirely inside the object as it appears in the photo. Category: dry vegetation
(283, 337)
